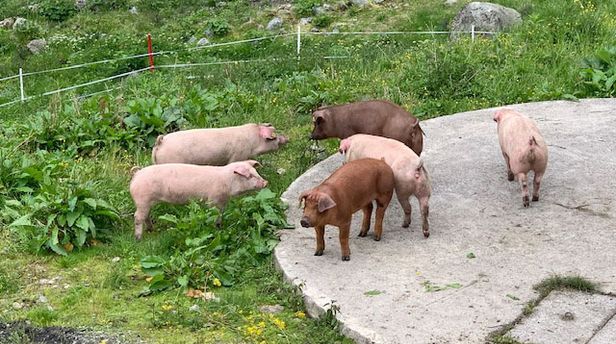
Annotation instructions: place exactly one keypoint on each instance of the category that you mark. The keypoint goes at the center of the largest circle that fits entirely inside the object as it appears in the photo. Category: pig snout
(305, 222)
(283, 140)
(261, 183)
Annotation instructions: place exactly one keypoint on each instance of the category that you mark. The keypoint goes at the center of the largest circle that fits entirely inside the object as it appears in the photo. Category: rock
(451, 2)
(378, 1)
(360, 3)
(19, 22)
(271, 309)
(274, 24)
(194, 308)
(34, 8)
(42, 299)
(305, 21)
(18, 305)
(485, 16)
(315, 29)
(203, 41)
(281, 171)
(192, 40)
(115, 259)
(7, 23)
(37, 45)
(80, 4)
(133, 10)
(285, 7)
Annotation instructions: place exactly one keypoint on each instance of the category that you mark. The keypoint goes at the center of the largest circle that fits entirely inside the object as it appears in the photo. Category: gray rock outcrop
(484, 16)
(37, 45)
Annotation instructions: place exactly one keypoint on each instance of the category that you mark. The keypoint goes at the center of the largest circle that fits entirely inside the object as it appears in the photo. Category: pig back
(362, 179)
(212, 146)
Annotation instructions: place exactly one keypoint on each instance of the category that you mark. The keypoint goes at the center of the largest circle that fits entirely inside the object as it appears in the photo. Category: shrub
(149, 119)
(219, 27)
(599, 73)
(57, 10)
(204, 252)
(305, 8)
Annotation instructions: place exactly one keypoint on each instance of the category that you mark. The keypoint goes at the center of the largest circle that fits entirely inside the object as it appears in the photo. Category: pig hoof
(535, 198)
(510, 177)
(406, 224)
(318, 253)
(377, 238)
(526, 202)
(362, 234)
(346, 258)
(426, 234)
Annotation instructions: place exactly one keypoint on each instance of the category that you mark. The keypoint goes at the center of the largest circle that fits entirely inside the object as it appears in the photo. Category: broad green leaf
(56, 248)
(91, 202)
(80, 236)
(22, 221)
(83, 222)
(71, 205)
(72, 217)
(183, 280)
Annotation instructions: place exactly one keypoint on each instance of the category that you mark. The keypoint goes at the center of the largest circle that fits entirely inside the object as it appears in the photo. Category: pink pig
(410, 174)
(523, 148)
(216, 146)
(180, 183)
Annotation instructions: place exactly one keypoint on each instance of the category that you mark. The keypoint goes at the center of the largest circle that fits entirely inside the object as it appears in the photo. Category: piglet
(411, 176)
(523, 148)
(352, 187)
(181, 183)
(216, 146)
(374, 117)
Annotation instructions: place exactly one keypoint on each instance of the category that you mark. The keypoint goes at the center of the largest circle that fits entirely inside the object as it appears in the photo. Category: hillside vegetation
(66, 229)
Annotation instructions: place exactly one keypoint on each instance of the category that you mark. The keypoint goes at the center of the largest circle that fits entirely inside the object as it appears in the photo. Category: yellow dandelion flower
(279, 323)
(216, 282)
(167, 307)
(300, 314)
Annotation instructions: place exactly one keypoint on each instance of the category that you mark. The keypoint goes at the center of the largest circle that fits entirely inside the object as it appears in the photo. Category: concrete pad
(607, 334)
(566, 317)
(407, 289)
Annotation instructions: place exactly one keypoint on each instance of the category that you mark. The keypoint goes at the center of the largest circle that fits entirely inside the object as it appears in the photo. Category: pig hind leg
(536, 185)
(425, 210)
(365, 226)
(523, 179)
(381, 205)
(510, 175)
(406, 207)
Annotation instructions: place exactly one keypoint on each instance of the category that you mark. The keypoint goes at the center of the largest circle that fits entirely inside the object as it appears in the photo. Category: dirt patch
(23, 333)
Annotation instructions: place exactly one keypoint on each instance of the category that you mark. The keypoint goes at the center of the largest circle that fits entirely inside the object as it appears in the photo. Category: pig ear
(254, 163)
(344, 146)
(242, 171)
(496, 117)
(325, 202)
(267, 132)
(303, 196)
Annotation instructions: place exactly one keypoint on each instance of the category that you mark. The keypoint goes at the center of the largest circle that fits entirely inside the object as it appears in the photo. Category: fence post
(21, 84)
(473, 32)
(299, 40)
(151, 57)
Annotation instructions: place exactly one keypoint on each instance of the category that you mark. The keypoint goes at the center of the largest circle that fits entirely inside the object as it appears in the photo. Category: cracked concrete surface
(407, 289)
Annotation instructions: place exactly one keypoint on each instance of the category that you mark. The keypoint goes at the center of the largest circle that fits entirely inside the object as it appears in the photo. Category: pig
(374, 117)
(523, 148)
(180, 183)
(410, 174)
(351, 187)
(216, 146)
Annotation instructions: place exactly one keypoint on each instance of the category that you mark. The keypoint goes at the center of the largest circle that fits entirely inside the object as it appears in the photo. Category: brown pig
(216, 146)
(374, 117)
(523, 148)
(410, 174)
(352, 187)
(181, 183)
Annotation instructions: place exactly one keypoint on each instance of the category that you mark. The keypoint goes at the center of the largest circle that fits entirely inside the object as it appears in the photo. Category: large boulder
(37, 45)
(485, 16)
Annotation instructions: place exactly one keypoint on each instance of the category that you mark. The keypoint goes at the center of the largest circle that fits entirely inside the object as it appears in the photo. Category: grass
(431, 76)
(543, 288)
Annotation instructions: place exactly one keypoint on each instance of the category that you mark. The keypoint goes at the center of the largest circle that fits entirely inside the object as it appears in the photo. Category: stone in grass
(194, 308)
(274, 24)
(360, 3)
(203, 41)
(19, 22)
(271, 309)
(305, 21)
(7, 23)
(484, 16)
(36, 45)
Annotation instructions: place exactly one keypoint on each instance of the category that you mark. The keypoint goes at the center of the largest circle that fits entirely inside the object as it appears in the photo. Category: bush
(203, 252)
(57, 10)
(305, 8)
(599, 73)
(219, 27)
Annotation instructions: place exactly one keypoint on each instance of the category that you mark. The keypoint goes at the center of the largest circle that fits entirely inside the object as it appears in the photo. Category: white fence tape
(183, 65)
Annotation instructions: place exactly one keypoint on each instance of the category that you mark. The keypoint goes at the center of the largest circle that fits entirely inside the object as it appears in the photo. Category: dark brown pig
(523, 148)
(351, 187)
(374, 117)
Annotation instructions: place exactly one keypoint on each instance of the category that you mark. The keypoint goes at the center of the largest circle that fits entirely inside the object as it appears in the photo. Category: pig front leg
(523, 179)
(378, 222)
(403, 198)
(320, 233)
(344, 241)
(141, 217)
(536, 185)
(365, 226)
